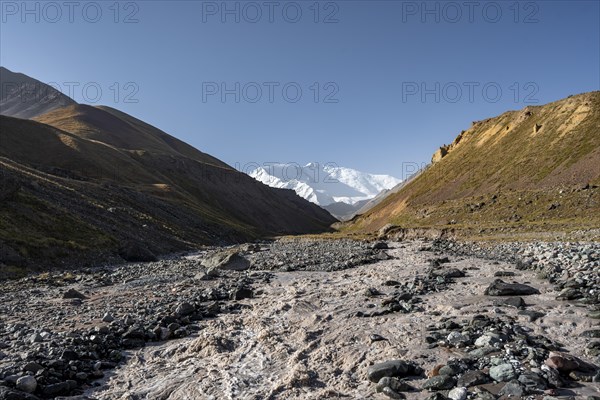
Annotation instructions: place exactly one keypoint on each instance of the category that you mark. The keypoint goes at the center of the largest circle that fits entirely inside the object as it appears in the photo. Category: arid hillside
(526, 171)
(100, 184)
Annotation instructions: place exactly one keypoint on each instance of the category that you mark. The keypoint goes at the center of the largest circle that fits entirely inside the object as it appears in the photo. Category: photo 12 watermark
(469, 92)
(81, 92)
(452, 12)
(53, 12)
(270, 92)
(290, 170)
(254, 12)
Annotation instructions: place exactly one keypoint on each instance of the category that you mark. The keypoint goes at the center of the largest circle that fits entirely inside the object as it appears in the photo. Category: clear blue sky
(374, 54)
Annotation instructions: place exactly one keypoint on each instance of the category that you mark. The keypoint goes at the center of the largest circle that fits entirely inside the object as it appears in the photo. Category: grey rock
(516, 302)
(450, 370)
(393, 368)
(35, 338)
(395, 384)
(569, 294)
(473, 378)
(391, 393)
(482, 352)
(108, 317)
(379, 246)
(459, 393)
(225, 261)
(457, 339)
(502, 373)
(500, 288)
(32, 367)
(511, 389)
(440, 382)
(74, 294)
(593, 333)
(56, 389)
(185, 309)
(488, 339)
(482, 394)
(27, 384)
(504, 273)
(532, 315)
(532, 381)
(10, 394)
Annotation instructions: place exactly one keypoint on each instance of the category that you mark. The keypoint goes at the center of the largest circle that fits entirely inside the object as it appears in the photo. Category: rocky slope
(24, 97)
(343, 319)
(533, 170)
(93, 184)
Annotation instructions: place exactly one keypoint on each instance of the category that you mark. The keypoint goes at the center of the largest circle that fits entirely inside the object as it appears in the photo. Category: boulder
(566, 363)
(225, 261)
(393, 368)
(500, 288)
(27, 384)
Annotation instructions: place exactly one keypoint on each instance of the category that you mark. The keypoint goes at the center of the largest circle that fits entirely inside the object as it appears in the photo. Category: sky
(373, 85)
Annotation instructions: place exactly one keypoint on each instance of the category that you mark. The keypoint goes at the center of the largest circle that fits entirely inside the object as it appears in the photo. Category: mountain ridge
(25, 97)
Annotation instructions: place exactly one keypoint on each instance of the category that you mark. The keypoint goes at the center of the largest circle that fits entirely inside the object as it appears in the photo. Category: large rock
(503, 373)
(27, 384)
(501, 288)
(10, 394)
(225, 260)
(393, 368)
(566, 363)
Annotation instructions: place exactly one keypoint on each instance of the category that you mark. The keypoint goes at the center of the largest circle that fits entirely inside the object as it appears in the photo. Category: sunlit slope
(530, 169)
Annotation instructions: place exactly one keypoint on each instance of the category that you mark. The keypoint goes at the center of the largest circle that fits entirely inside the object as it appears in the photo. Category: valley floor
(315, 330)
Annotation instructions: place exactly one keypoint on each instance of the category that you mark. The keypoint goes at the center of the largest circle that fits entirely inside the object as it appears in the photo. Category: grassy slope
(500, 176)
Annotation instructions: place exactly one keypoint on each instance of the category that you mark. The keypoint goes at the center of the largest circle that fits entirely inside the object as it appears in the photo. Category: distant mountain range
(522, 174)
(88, 184)
(342, 191)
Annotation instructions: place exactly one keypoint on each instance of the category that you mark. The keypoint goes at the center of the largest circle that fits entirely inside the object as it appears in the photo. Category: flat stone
(393, 368)
(473, 378)
(511, 389)
(501, 288)
(440, 382)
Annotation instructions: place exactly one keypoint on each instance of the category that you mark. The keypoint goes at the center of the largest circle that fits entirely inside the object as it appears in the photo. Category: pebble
(459, 393)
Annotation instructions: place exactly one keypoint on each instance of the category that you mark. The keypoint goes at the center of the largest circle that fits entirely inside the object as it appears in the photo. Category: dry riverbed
(317, 327)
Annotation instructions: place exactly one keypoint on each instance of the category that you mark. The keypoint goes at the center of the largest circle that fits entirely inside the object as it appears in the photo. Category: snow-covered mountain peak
(324, 184)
